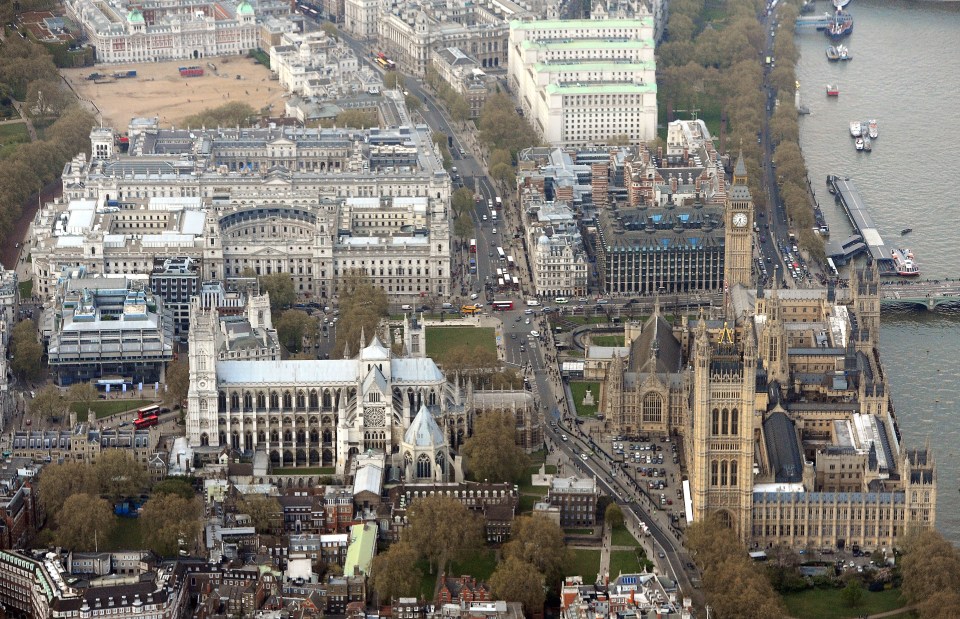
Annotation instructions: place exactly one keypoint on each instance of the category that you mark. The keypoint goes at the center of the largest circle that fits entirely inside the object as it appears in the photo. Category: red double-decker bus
(473, 246)
(502, 306)
(147, 416)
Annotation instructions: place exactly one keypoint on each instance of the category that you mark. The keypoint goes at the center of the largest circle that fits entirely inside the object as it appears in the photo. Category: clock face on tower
(740, 220)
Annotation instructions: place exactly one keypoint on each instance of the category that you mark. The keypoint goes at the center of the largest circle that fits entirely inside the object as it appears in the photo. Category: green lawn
(624, 562)
(527, 488)
(14, 133)
(585, 320)
(481, 565)
(525, 506)
(828, 604)
(304, 470)
(585, 563)
(26, 288)
(579, 389)
(606, 340)
(105, 408)
(622, 537)
(442, 339)
(126, 536)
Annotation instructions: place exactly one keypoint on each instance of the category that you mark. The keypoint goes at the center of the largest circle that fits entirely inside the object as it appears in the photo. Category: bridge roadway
(925, 293)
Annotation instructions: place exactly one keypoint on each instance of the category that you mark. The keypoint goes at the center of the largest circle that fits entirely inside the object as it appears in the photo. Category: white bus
(502, 256)
(499, 202)
(493, 215)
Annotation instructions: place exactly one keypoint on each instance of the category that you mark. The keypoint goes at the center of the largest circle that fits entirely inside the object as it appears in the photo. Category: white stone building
(316, 204)
(586, 81)
(410, 32)
(157, 30)
(325, 412)
(464, 75)
(360, 18)
(315, 65)
(556, 250)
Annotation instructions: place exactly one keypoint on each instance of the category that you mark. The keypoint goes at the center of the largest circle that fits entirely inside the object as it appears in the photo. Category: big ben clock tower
(738, 243)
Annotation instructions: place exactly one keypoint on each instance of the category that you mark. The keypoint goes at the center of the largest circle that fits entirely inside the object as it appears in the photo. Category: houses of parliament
(782, 407)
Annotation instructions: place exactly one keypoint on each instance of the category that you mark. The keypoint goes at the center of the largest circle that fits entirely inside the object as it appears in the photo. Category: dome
(135, 16)
(244, 8)
(543, 240)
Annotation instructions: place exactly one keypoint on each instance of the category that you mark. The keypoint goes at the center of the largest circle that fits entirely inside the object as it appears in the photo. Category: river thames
(906, 63)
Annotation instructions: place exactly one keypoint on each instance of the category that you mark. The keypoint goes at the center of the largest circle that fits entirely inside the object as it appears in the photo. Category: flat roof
(856, 210)
(610, 43)
(593, 65)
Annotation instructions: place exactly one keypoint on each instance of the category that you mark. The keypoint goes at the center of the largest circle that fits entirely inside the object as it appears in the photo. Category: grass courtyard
(829, 604)
(440, 340)
(622, 537)
(584, 563)
(606, 340)
(579, 389)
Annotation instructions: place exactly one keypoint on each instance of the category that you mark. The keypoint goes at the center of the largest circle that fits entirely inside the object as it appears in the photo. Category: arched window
(716, 422)
(203, 406)
(287, 401)
(222, 402)
(723, 472)
(652, 408)
(423, 466)
(733, 472)
(734, 422)
(261, 400)
(725, 422)
(234, 401)
(714, 476)
(274, 400)
(313, 399)
(247, 401)
(301, 400)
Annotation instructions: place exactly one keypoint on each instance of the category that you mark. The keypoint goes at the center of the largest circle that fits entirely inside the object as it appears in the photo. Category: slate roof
(783, 448)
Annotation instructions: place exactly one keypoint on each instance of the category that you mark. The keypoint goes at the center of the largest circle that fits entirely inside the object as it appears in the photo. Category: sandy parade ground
(158, 90)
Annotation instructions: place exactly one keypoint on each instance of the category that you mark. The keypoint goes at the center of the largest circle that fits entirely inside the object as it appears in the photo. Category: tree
(852, 594)
(613, 516)
(503, 174)
(27, 351)
(517, 581)
(174, 485)
(930, 564)
(538, 541)
(394, 573)
(280, 288)
(227, 115)
(84, 522)
(331, 29)
(170, 522)
(293, 326)
(414, 104)
(393, 80)
(118, 475)
(84, 393)
(442, 529)
(462, 201)
(362, 306)
(463, 227)
(49, 404)
(492, 453)
(177, 378)
(358, 119)
(264, 511)
(58, 482)
(48, 98)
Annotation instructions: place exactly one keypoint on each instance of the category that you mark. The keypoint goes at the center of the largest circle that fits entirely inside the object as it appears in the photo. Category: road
(535, 356)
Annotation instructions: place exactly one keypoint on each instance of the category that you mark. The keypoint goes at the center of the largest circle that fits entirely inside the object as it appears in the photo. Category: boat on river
(904, 263)
(841, 25)
(872, 130)
(833, 90)
(867, 144)
(859, 144)
(856, 128)
(906, 231)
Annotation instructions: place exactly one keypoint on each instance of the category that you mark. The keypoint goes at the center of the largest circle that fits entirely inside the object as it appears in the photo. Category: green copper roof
(244, 8)
(582, 24)
(362, 547)
(135, 16)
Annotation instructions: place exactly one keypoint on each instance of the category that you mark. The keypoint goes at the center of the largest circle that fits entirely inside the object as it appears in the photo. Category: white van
(532, 303)
(474, 296)
(561, 300)
(406, 307)
(447, 306)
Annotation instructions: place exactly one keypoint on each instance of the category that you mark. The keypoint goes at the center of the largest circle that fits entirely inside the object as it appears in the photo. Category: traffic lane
(597, 466)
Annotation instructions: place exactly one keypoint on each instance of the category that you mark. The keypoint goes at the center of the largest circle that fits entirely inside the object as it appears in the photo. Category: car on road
(513, 336)
(523, 349)
(494, 231)
(527, 321)
(528, 312)
(661, 555)
(563, 437)
(534, 334)
(584, 456)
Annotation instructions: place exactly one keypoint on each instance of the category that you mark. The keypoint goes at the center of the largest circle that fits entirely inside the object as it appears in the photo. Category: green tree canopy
(227, 115)
(84, 522)
(117, 475)
(264, 511)
(537, 540)
(49, 404)
(58, 482)
(178, 382)
(394, 573)
(27, 351)
(293, 326)
(280, 288)
(492, 453)
(613, 516)
(362, 306)
(442, 529)
(517, 581)
(171, 521)
(174, 485)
